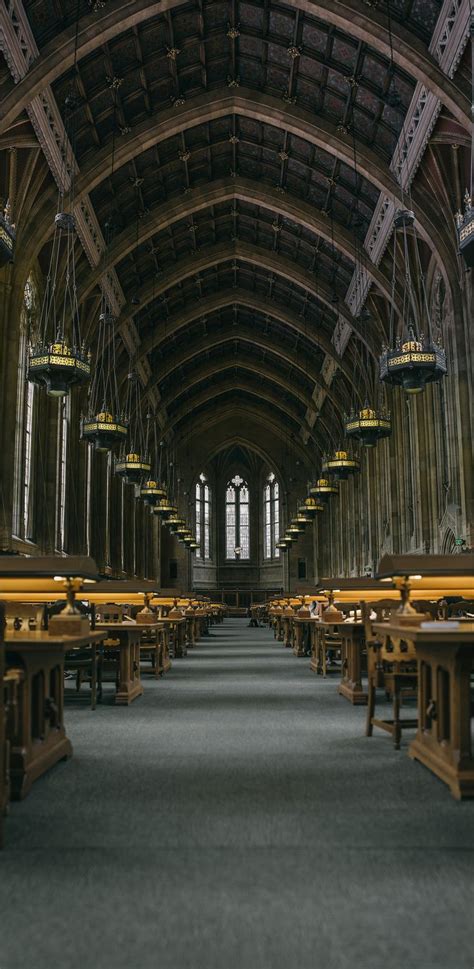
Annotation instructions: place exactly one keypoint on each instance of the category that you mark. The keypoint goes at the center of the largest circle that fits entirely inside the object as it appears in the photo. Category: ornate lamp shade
(289, 538)
(104, 430)
(58, 366)
(411, 359)
(57, 356)
(465, 227)
(294, 530)
(368, 425)
(283, 545)
(341, 465)
(302, 519)
(182, 529)
(310, 507)
(173, 522)
(152, 492)
(194, 546)
(105, 424)
(133, 467)
(413, 364)
(324, 489)
(165, 509)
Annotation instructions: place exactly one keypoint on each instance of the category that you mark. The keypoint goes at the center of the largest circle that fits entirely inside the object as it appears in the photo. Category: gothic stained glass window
(203, 517)
(237, 519)
(271, 518)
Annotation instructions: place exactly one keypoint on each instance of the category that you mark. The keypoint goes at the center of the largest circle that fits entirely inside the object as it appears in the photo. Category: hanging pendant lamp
(341, 465)
(133, 463)
(165, 509)
(182, 529)
(58, 358)
(368, 425)
(324, 489)
(105, 424)
(310, 507)
(153, 490)
(164, 506)
(413, 358)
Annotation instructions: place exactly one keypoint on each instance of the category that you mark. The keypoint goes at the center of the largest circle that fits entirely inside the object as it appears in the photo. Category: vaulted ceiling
(237, 155)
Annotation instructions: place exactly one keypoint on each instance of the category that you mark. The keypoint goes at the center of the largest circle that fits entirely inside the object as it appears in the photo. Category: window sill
(238, 561)
(23, 543)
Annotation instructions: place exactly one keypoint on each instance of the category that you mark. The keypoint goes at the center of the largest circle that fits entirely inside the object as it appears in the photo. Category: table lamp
(423, 571)
(128, 590)
(42, 572)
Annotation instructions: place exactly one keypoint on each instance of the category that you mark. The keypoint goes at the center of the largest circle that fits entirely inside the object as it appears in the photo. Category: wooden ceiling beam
(223, 190)
(353, 17)
(245, 335)
(257, 106)
(255, 256)
(162, 331)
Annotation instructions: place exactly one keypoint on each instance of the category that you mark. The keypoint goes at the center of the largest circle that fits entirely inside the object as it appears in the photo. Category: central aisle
(236, 818)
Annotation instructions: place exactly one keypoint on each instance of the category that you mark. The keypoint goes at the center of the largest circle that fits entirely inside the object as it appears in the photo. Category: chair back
(112, 612)
(461, 609)
(25, 615)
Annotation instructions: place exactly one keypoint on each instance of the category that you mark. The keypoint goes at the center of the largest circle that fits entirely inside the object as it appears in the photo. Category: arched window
(271, 517)
(203, 517)
(237, 532)
(24, 431)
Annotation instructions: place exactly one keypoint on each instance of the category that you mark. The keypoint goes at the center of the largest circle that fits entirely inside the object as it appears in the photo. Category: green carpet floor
(235, 817)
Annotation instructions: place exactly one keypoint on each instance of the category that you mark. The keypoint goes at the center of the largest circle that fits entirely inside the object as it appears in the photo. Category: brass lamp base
(68, 624)
(145, 615)
(331, 614)
(409, 617)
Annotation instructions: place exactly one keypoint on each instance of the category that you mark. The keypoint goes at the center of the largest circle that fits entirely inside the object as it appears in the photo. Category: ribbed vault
(238, 155)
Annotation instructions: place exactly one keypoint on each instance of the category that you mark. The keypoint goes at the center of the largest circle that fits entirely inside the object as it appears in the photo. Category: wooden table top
(445, 634)
(337, 622)
(41, 637)
(131, 627)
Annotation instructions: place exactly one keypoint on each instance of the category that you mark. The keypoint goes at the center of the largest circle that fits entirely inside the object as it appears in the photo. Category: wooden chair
(153, 649)
(87, 664)
(326, 653)
(395, 673)
(462, 609)
(24, 615)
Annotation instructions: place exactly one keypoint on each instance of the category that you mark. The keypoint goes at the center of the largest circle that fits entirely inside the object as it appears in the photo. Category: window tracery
(203, 516)
(271, 517)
